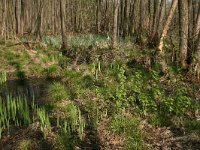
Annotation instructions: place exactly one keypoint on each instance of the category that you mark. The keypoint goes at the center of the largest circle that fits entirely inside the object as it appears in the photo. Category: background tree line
(151, 23)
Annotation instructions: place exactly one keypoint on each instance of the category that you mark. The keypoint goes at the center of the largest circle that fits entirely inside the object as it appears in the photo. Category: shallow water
(34, 88)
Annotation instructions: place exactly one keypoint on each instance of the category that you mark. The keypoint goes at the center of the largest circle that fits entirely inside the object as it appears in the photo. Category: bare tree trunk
(161, 17)
(38, 29)
(98, 3)
(115, 24)
(161, 59)
(154, 39)
(141, 23)
(183, 22)
(197, 64)
(197, 25)
(155, 17)
(63, 28)
(132, 19)
(190, 31)
(167, 25)
(22, 17)
(4, 7)
(18, 15)
(125, 21)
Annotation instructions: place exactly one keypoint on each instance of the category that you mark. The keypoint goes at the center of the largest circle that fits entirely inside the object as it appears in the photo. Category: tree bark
(167, 25)
(197, 64)
(63, 29)
(161, 17)
(115, 23)
(3, 29)
(183, 34)
(18, 15)
(38, 29)
(197, 25)
(22, 17)
(98, 3)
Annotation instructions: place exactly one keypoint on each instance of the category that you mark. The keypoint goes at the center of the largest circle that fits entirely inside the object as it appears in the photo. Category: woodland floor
(92, 75)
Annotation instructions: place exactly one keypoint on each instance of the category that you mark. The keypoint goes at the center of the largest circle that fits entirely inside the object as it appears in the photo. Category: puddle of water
(29, 88)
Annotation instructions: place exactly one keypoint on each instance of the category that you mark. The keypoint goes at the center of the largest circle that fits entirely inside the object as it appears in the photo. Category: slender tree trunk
(132, 19)
(190, 32)
(197, 25)
(154, 39)
(141, 23)
(115, 23)
(161, 58)
(125, 21)
(167, 24)
(18, 15)
(98, 3)
(149, 17)
(63, 28)
(38, 29)
(183, 22)
(4, 7)
(22, 17)
(197, 64)
(155, 17)
(161, 17)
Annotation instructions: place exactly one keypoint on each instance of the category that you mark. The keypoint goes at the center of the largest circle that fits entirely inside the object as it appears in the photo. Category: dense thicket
(151, 22)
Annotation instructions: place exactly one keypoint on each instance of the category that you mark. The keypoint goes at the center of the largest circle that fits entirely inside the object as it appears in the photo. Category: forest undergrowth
(102, 98)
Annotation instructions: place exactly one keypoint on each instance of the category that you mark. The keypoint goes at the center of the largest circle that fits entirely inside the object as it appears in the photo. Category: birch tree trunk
(167, 25)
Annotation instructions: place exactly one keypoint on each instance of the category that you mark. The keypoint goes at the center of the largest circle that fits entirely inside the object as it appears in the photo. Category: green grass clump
(74, 121)
(13, 111)
(3, 77)
(58, 92)
(52, 71)
(43, 118)
(128, 126)
(72, 127)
